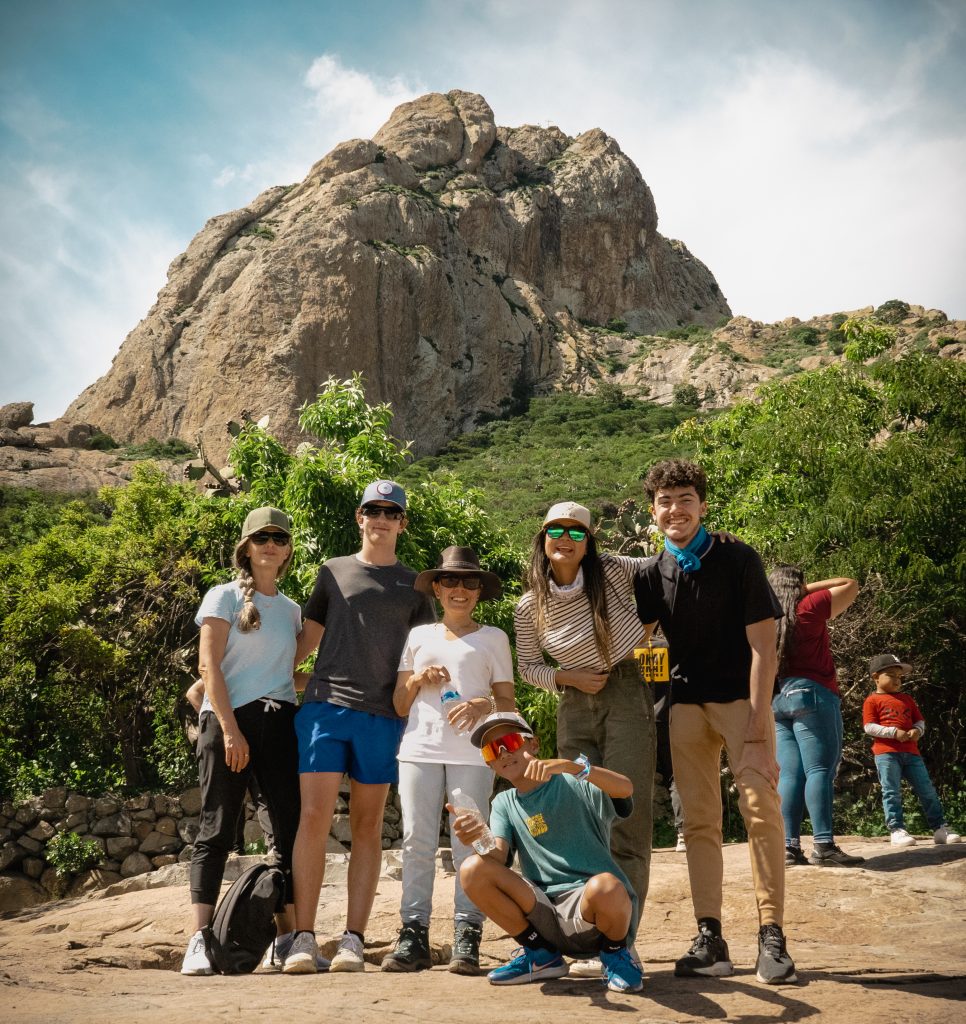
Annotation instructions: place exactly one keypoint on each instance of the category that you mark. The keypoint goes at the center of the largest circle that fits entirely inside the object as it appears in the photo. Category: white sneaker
(302, 955)
(348, 957)
(900, 837)
(944, 835)
(587, 968)
(681, 847)
(277, 953)
(196, 958)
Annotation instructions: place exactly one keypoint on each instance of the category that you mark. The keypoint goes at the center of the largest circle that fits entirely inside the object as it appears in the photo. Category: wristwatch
(585, 766)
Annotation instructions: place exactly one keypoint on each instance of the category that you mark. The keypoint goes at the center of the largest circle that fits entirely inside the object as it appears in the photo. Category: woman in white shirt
(456, 655)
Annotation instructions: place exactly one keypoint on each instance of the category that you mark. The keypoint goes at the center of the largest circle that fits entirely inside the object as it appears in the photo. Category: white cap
(568, 510)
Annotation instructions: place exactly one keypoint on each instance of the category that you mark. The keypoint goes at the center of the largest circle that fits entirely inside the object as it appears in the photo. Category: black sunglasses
(263, 537)
(573, 532)
(451, 581)
(375, 511)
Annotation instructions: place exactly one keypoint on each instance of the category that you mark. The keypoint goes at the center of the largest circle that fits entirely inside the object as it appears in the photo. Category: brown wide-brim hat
(456, 561)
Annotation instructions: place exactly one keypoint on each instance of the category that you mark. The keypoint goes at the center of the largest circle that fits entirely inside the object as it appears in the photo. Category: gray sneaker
(708, 957)
(412, 949)
(774, 965)
(302, 956)
(466, 948)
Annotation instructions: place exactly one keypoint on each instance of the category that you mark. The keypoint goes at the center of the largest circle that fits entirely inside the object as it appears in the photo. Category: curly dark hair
(675, 473)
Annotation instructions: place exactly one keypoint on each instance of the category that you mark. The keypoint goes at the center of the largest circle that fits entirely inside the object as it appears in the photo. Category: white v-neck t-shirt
(474, 662)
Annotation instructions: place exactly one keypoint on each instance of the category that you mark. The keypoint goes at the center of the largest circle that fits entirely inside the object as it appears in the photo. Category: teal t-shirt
(561, 832)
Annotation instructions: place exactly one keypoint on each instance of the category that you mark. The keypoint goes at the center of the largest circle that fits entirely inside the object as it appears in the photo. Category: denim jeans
(422, 788)
(892, 769)
(808, 733)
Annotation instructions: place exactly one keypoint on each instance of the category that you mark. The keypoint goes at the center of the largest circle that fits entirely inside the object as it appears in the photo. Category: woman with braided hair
(249, 634)
(808, 715)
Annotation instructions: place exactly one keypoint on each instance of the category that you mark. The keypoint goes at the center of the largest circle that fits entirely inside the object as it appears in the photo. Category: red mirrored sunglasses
(507, 744)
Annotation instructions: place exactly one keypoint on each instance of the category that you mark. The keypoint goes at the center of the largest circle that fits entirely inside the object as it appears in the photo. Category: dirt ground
(885, 942)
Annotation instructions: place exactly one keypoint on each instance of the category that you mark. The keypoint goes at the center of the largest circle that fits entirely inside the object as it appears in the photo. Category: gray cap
(384, 490)
(262, 518)
(499, 718)
(884, 661)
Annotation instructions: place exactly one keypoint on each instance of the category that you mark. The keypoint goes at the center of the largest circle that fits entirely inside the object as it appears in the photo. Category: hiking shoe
(774, 965)
(681, 846)
(348, 957)
(831, 857)
(412, 949)
(280, 948)
(620, 972)
(466, 948)
(529, 965)
(707, 956)
(900, 837)
(303, 954)
(944, 834)
(196, 960)
(587, 968)
(794, 856)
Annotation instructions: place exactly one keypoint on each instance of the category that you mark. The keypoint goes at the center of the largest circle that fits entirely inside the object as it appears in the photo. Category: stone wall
(135, 834)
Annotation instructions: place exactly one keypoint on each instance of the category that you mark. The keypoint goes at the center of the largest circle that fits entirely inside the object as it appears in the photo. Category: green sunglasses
(573, 532)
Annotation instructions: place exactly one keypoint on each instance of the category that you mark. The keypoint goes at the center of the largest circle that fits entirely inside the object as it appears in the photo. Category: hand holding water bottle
(469, 825)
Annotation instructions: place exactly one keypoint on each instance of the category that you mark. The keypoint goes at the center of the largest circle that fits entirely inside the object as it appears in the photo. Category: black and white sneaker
(774, 965)
(466, 948)
(708, 957)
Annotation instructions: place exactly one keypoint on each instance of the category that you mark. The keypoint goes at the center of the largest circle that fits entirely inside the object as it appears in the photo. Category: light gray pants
(615, 729)
(422, 789)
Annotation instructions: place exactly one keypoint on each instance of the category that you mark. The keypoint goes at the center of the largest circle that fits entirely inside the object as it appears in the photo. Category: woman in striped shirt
(579, 609)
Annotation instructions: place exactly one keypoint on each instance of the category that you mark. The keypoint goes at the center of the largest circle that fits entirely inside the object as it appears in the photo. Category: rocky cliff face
(451, 261)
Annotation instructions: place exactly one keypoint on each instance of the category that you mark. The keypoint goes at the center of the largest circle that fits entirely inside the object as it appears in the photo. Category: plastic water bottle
(448, 698)
(465, 804)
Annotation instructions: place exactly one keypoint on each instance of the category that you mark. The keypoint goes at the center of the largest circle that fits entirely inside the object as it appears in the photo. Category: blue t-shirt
(259, 663)
(561, 832)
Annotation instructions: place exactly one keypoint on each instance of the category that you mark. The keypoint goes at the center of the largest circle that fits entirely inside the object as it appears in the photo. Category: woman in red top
(808, 715)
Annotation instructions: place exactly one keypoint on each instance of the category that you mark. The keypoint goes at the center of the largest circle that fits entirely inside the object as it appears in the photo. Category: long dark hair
(537, 579)
(787, 581)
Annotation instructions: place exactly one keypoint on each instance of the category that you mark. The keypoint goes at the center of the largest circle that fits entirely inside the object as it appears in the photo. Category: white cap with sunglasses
(565, 510)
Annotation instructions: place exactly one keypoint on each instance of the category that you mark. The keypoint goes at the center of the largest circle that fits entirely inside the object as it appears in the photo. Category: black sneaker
(466, 948)
(774, 965)
(412, 949)
(832, 857)
(707, 956)
(794, 856)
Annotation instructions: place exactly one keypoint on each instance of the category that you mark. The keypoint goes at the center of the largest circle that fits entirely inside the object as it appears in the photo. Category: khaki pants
(698, 732)
(615, 729)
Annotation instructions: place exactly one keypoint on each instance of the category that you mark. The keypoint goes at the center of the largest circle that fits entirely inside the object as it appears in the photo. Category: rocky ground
(883, 942)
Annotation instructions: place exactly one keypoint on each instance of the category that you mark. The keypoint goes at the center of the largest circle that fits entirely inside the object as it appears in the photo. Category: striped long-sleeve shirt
(568, 633)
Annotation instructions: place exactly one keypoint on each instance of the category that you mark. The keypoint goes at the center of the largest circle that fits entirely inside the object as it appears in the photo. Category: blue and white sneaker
(621, 973)
(529, 965)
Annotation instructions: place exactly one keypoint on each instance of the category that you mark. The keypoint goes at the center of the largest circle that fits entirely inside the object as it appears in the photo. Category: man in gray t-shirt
(359, 615)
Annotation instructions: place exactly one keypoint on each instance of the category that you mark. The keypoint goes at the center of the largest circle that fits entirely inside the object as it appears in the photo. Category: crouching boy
(572, 898)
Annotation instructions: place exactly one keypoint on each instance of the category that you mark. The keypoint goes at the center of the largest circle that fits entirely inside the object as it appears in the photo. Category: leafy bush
(173, 448)
(101, 442)
(686, 395)
(68, 854)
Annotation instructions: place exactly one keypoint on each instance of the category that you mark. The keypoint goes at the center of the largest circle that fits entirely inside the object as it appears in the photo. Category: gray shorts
(559, 921)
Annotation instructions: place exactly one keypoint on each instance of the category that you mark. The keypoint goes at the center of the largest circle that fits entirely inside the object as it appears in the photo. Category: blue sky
(812, 154)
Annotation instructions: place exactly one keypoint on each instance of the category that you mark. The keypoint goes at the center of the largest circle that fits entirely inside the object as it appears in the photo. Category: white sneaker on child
(587, 968)
(349, 955)
(681, 846)
(944, 834)
(900, 837)
(196, 958)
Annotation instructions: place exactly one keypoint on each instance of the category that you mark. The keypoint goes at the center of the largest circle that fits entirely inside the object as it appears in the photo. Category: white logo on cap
(384, 488)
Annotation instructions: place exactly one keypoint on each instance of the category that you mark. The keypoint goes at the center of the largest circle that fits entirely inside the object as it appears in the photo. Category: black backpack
(243, 925)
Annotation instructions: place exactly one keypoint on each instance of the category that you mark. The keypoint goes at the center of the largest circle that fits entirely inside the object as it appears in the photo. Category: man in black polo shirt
(718, 613)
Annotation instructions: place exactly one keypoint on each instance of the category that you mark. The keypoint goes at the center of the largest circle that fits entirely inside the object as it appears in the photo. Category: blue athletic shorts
(337, 739)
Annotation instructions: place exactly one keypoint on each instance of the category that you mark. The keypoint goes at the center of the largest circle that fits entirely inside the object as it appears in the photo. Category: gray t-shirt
(367, 611)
